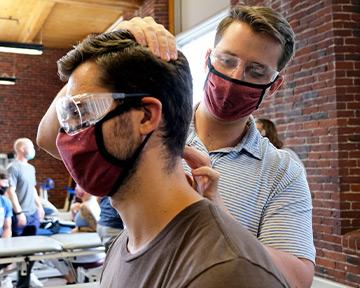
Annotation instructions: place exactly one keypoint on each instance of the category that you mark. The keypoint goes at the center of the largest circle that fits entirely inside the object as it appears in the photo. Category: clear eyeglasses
(252, 72)
(78, 112)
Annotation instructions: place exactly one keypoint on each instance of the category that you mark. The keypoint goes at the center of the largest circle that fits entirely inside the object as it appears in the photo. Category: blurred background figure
(110, 223)
(5, 220)
(5, 206)
(87, 213)
(26, 204)
(268, 129)
(22, 188)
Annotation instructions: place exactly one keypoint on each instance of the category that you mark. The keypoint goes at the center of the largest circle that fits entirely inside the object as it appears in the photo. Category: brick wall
(158, 9)
(318, 115)
(22, 106)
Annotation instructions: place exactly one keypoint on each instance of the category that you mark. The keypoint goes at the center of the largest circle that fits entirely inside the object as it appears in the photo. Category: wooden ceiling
(59, 23)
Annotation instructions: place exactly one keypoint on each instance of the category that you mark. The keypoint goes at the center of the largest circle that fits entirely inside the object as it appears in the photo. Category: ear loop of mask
(240, 82)
(128, 163)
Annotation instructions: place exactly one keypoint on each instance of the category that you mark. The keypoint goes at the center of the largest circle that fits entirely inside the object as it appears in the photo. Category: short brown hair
(130, 68)
(262, 20)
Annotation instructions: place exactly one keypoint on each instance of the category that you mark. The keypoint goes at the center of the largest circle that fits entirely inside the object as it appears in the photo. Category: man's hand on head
(149, 33)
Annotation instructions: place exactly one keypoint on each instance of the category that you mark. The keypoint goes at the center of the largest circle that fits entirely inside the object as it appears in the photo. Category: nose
(239, 72)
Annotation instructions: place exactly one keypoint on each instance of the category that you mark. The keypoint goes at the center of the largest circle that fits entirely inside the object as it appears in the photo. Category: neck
(21, 158)
(216, 134)
(151, 199)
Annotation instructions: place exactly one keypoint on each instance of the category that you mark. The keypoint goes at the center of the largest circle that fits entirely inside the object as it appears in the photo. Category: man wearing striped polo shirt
(261, 186)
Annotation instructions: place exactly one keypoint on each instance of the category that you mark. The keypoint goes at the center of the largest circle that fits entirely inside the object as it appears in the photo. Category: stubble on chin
(121, 142)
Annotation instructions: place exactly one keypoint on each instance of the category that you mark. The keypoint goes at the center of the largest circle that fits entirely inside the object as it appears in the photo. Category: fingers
(195, 159)
(152, 32)
(149, 33)
(190, 180)
(208, 172)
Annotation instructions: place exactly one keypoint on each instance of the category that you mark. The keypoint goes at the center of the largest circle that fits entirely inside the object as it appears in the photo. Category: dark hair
(270, 132)
(128, 67)
(262, 20)
(3, 174)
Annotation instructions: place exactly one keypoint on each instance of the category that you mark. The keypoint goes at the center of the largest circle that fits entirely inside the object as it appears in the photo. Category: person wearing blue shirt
(5, 219)
(5, 207)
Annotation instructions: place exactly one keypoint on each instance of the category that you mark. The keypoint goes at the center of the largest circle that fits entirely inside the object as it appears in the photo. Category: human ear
(151, 117)
(276, 85)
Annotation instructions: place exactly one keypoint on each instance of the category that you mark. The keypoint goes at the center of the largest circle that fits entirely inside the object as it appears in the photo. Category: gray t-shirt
(22, 178)
(201, 247)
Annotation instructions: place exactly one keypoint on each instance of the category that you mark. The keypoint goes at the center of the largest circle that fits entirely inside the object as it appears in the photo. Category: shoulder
(279, 162)
(224, 231)
(230, 273)
(13, 166)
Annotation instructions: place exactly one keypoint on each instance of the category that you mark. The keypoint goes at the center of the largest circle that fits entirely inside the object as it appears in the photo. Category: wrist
(18, 213)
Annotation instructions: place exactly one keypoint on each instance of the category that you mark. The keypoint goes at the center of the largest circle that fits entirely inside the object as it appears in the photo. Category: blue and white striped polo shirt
(265, 190)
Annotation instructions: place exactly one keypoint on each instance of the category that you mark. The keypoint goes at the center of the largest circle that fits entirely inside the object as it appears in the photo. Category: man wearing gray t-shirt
(22, 188)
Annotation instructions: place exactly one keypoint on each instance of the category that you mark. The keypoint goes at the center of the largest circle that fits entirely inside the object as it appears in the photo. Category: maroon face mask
(88, 162)
(230, 99)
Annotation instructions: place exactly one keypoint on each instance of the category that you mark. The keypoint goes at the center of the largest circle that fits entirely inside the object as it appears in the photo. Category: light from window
(195, 52)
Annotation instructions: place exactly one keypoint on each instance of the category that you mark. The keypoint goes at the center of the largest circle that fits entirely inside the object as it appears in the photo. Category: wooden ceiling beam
(35, 22)
(116, 4)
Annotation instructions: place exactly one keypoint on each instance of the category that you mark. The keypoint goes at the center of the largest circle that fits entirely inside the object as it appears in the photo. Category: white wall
(189, 13)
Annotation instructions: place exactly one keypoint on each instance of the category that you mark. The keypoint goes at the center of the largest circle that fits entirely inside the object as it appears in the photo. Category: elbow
(40, 141)
(46, 141)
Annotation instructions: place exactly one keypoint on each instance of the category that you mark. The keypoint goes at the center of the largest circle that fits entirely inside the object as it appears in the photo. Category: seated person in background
(5, 219)
(5, 206)
(268, 129)
(110, 223)
(88, 212)
(75, 207)
(130, 148)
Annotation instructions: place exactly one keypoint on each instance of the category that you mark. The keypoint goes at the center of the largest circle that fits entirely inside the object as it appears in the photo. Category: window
(194, 43)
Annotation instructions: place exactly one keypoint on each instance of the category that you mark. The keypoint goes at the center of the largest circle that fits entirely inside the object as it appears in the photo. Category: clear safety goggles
(78, 112)
(252, 72)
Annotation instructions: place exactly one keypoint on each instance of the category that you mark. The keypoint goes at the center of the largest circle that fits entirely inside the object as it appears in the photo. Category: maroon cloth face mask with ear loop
(229, 99)
(88, 162)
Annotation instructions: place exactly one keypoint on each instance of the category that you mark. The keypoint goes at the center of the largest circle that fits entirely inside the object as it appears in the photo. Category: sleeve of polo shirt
(287, 218)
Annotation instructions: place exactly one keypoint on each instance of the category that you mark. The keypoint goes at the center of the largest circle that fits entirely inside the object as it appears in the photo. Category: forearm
(7, 228)
(88, 217)
(49, 128)
(298, 272)
(14, 200)
(37, 199)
